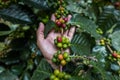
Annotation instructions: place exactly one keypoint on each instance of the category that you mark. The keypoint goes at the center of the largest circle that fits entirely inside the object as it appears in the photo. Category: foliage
(20, 58)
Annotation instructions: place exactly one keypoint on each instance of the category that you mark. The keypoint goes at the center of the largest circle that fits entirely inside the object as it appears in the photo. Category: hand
(46, 45)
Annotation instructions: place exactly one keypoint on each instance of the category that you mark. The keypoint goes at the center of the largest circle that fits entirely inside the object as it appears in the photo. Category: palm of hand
(47, 45)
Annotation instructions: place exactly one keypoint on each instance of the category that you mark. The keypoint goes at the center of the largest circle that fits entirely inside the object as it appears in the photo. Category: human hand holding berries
(46, 45)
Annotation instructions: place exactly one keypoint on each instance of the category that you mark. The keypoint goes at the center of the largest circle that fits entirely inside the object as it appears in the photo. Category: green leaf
(82, 8)
(100, 52)
(78, 78)
(40, 4)
(115, 67)
(6, 75)
(107, 18)
(2, 46)
(15, 14)
(17, 69)
(11, 58)
(115, 37)
(3, 33)
(50, 25)
(87, 25)
(43, 71)
(2, 69)
(26, 76)
(81, 44)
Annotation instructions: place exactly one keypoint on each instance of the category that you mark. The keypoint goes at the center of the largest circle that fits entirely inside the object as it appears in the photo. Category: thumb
(40, 32)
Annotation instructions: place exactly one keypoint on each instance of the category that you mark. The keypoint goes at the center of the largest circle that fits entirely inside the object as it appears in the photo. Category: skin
(46, 45)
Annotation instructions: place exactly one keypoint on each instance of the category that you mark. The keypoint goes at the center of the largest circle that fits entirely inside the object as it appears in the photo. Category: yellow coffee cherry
(118, 56)
(61, 20)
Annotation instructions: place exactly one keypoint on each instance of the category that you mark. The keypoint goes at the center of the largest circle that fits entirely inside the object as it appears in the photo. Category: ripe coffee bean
(117, 4)
(58, 23)
(63, 25)
(59, 39)
(60, 57)
(114, 55)
(65, 19)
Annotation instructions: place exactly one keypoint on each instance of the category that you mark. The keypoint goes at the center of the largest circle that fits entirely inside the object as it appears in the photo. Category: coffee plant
(94, 49)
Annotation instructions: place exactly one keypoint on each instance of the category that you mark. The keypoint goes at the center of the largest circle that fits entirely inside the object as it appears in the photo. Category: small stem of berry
(109, 48)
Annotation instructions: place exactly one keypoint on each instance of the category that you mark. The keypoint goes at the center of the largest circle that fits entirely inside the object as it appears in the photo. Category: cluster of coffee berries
(61, 16)
(103, 41)
(114, 56)
(62, 23)
(62, 42)
(61, 12)
(57, 75)
(61, 59)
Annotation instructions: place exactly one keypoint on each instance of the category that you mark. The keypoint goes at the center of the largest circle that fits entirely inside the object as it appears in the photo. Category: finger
(40, 32)
(53, 17)
(71, 32)
(69, 17)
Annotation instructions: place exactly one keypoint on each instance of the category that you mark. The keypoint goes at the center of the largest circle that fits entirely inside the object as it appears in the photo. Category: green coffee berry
(65, 45)
(59, 45)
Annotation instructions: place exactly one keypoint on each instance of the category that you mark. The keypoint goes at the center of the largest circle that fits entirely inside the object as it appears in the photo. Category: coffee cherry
(117, 4)
(59, 39)
(59, 45)
(102, 42)
(63, 25)
(56, 72)
(118, 56)
(61, 75)
(56, 55)
(61, 20)
(65, 19)
(58, 51)
(56, 78)
(67, 40)
(67, 76)
(69, 45)
(58, 23)
(114, 55)
(65, 55)
(68, 59)
(52, 77)
(65, 46)
(63, 62)
(60, 57)
(54, 60)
